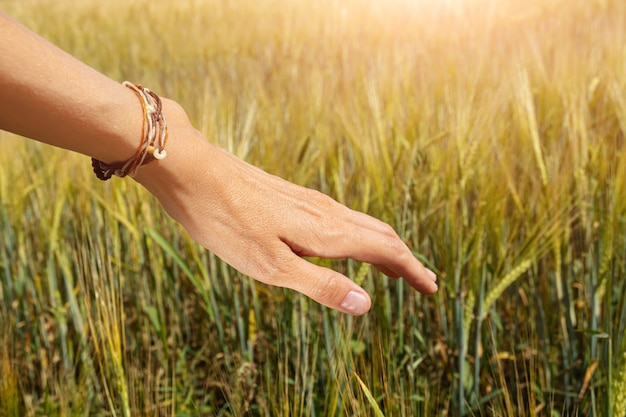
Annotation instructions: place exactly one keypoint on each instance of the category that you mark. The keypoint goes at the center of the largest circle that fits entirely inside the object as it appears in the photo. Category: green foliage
(490, 134)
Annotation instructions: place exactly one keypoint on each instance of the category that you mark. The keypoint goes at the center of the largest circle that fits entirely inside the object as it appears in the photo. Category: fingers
(324, 285)
(338, 232)
(313, 224)
(333, 289)
(395, 260)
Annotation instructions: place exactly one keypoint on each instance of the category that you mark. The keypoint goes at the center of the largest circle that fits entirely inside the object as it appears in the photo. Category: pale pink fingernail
(355, 303)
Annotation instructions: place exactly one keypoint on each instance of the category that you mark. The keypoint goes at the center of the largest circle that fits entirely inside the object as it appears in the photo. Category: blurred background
(490, 134)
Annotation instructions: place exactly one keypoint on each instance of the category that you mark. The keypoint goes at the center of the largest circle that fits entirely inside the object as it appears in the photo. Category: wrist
(172, 177)
(120, 126)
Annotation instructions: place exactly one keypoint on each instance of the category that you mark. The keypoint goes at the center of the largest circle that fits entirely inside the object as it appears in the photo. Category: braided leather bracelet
(153, 138)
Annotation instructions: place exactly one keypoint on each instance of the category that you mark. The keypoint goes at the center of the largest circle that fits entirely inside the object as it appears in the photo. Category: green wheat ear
(505, 283)
(619, 390)
(361, 274)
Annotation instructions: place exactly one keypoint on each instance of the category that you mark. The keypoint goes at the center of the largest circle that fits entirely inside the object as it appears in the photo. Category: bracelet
(153, 138)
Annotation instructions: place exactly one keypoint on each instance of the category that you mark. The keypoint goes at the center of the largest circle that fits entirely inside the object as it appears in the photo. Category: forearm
(47, 95)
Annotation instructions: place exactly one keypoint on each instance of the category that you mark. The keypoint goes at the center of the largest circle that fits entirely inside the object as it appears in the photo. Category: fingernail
(355, 303)
(432, 275)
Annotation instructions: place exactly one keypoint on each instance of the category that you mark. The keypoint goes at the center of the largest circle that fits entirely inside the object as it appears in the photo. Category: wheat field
(489, 133)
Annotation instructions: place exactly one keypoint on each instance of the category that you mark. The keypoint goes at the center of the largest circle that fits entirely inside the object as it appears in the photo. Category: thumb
(327, 287)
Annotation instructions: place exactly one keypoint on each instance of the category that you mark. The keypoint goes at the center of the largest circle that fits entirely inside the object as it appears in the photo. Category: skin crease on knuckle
(392, 242)
(311, 231)
(325, 288)
(331, 237)
(388, 230)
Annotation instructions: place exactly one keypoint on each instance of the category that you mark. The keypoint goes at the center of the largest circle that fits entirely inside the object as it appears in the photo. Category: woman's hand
(263, 225)
(258, 223)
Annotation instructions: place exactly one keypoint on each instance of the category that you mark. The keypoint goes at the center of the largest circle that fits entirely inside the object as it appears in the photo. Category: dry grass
(490, 134)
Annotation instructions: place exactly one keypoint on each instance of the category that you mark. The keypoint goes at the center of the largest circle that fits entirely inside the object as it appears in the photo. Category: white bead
(158, 154)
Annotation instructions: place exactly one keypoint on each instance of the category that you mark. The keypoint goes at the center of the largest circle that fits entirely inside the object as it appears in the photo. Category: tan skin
(258, 223)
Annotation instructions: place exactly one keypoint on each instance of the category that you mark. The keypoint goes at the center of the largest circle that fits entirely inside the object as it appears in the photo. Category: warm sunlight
(489, 134)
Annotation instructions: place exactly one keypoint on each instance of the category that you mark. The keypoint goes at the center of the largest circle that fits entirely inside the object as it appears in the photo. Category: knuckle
(325, 226)
(272, 269)
(320, 200)
(396, 246)
(317, 195)
(326, 288)
(389, 231)
(329, 226)
(276, 273)
(272, 275)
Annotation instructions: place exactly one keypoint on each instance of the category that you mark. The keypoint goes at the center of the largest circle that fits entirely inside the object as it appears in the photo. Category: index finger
(345, 233)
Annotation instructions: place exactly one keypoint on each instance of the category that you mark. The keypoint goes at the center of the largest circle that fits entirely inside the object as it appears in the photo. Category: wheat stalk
(529, 109)
(505, 282)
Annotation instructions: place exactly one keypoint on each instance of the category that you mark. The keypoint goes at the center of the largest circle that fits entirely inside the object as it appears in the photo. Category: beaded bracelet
(153, 138)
